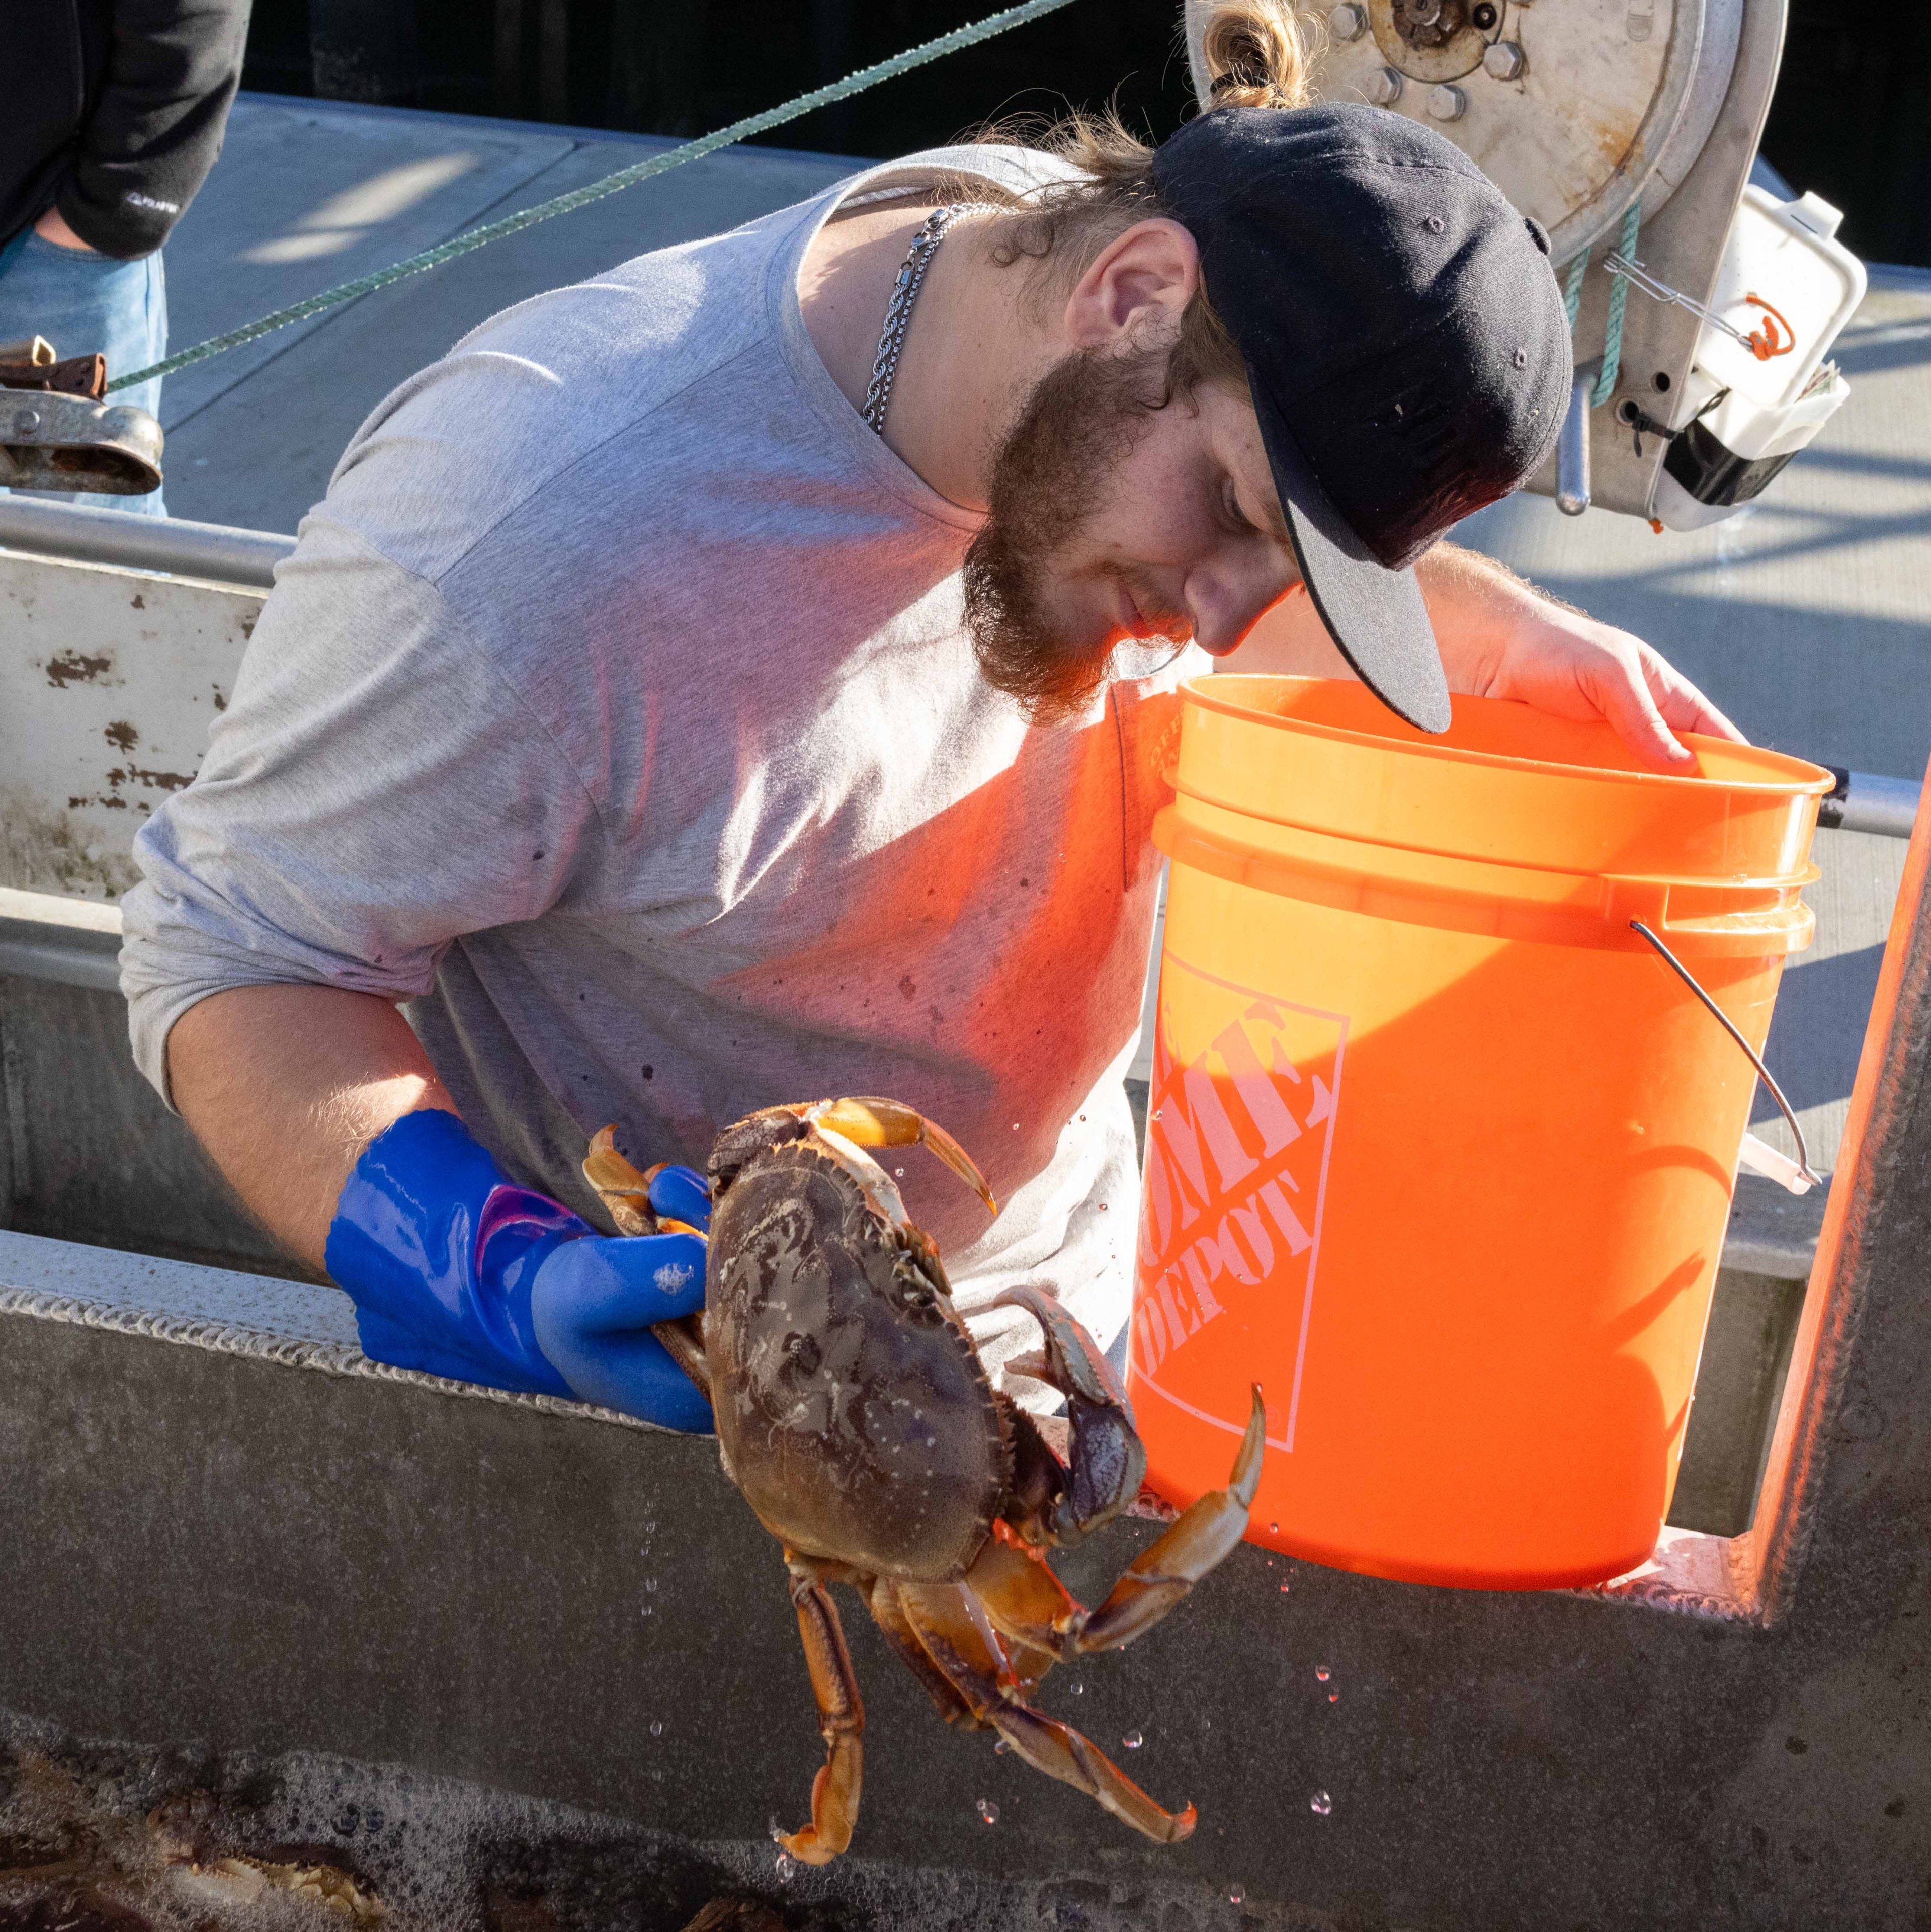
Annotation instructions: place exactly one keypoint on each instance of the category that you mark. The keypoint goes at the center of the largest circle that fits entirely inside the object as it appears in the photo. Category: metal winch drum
(1628, 127)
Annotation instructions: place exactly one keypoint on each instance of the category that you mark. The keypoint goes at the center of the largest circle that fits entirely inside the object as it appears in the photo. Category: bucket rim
(1806, 873)
(1478, 908)
(1197, 690)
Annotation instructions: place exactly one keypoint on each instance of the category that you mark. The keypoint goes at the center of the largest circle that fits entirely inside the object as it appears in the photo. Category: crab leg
(1064, 1752)
(872, 1122)
(1025, 1600)
(683, 1341)
(834, 1791)
(1164, 1572)
(626, 1191)
(889, 1616)
(952, 1628)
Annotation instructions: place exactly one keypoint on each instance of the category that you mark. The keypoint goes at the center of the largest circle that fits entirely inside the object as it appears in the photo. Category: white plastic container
(1745, 416)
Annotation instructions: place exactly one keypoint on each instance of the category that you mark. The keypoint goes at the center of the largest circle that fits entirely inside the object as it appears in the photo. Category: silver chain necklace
(898, 310)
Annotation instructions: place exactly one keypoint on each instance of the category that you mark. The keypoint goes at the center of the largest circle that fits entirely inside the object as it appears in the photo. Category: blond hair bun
(1256, 53)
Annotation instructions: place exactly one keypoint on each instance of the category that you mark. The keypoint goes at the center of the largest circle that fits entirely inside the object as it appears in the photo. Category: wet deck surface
(1804, 617)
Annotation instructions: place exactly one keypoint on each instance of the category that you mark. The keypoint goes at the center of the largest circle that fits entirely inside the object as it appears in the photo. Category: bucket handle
(1812, 1178)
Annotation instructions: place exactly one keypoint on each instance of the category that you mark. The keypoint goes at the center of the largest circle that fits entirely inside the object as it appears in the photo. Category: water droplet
(1237, 1894)
(648, 1527)
(1133, 1740)
(1334, 1697)
(656, 1727)
(1102, 1207)
(1273, 1529)
(988, 1810)
(1322, 1673)
(1015, 1126)
(1158, 1112)
(785, 1866)
(650, 1584)
(1321, 1804)
(999, 1749)
(1078, 1688)
(1283, 1589)
(900, 1172)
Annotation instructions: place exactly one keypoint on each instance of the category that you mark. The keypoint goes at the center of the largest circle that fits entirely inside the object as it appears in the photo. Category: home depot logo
(1238, 1144)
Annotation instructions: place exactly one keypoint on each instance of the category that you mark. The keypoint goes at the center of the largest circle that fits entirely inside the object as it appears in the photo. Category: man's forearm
(1474, 603)
(1477, 605)
(285, 1086)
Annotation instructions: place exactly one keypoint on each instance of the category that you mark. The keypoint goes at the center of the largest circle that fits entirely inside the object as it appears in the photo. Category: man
(688, 701)
(111, 115)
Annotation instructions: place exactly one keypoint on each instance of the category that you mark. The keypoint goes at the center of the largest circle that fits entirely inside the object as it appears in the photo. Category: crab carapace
(854, 1416)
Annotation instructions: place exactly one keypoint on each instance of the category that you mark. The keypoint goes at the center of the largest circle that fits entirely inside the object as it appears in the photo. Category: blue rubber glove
(456, 1271)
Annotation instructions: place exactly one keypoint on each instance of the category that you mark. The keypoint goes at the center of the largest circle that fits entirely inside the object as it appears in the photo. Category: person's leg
(84, 303)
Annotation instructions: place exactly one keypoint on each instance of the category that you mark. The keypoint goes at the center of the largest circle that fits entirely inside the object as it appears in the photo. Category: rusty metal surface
(112, 679)
(51, 442)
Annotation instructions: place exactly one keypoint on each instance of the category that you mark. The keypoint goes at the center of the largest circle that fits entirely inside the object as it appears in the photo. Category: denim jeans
(82, 302)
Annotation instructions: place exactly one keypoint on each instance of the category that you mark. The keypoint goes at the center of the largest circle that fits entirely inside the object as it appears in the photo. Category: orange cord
(1764, 343)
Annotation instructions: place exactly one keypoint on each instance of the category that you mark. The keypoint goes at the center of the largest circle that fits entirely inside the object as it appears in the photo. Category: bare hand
(1499, 638)
(1571, 665)
(53, 227)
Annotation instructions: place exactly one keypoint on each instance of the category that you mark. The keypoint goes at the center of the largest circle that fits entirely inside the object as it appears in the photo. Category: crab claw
(874, 1122)
(622, 1189)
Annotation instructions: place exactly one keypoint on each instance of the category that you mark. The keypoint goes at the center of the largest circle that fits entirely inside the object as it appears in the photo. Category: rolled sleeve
(375, 790)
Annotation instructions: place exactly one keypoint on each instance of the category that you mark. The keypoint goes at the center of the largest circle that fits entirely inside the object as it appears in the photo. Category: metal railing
(1864, 802)
(78, 534)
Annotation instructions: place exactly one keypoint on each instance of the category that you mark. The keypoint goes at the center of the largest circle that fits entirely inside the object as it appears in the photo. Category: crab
(854, 1415)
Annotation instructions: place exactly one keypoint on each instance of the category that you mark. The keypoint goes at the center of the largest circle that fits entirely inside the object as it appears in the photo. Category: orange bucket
(1439, 1150)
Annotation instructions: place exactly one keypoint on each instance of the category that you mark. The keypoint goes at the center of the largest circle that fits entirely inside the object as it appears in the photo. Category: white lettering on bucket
(1237, 1146)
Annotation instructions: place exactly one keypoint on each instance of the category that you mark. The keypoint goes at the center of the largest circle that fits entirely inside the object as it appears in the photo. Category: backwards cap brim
(1376, 615)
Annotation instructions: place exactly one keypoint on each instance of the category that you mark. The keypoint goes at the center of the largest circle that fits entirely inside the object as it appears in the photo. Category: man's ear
(1137, 287)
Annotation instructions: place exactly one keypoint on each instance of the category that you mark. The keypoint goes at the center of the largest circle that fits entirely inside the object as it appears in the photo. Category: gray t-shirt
(615, 711)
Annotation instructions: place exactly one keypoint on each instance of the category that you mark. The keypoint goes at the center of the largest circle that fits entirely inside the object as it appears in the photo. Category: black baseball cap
(1406, 343)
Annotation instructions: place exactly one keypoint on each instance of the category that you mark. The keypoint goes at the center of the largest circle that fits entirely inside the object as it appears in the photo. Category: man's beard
(1082, 419)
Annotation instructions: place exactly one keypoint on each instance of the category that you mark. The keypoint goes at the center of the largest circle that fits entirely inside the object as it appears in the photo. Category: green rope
(1619, 295)
(970, 35)
(1572, 294)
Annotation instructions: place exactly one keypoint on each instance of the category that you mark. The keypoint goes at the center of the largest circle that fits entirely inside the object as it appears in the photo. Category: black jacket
(111, 110)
